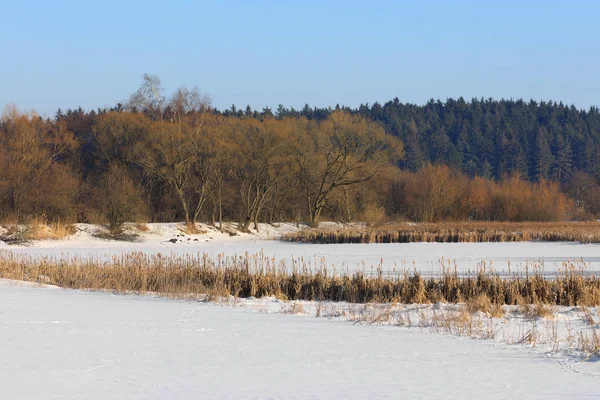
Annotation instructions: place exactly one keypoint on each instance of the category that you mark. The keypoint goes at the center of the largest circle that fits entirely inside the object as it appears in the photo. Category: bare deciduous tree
(149, 97)
(121, 198)
(342, 151)
(184, 157)
(261, 157)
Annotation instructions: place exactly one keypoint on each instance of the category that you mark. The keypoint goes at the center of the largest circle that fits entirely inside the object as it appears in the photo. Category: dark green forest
(484, 137)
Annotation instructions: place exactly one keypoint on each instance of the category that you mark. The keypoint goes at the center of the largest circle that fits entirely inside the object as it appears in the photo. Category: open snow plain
(66, 344)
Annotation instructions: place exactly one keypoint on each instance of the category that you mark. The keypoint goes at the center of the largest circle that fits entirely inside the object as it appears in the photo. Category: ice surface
(425, 257)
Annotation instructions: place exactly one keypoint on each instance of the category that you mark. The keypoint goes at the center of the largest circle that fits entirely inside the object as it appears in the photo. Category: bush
(121, 199)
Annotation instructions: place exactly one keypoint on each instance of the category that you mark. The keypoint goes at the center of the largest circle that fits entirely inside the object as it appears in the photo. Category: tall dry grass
(257, 275)
(36, 229)
(43, 230)
(453, 232)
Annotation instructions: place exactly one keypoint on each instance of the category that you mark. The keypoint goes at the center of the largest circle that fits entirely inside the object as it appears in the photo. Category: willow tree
(180, 149)
(342, 151)
(184, 157)
(261, 158)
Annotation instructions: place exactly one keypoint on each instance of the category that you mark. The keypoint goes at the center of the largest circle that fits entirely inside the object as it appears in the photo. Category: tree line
(179, 159)
(483, 137)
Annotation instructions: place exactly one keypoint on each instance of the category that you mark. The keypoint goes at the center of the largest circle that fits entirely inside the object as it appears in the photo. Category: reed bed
(453, 232)
(257, 276)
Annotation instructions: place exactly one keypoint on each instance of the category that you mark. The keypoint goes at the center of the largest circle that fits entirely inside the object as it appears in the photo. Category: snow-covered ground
(425, 257)
(65, 344)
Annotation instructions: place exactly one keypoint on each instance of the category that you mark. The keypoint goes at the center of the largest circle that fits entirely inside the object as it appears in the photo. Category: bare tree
(342, 151)
(262, 159)
(188, 101)
(121, 198)
(149, 97)
(179, 150)
(184, 157)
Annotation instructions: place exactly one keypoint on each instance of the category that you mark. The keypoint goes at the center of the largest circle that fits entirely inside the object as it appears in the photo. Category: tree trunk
(220, 209)
(313, 218)
(346, 198)
(184, 204)
(246, 224)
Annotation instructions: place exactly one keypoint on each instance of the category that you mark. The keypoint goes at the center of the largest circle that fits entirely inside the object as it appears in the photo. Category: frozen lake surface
(425, 257)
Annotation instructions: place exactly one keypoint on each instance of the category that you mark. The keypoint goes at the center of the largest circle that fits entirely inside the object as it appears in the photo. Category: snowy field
(65, 344)
(425, 257)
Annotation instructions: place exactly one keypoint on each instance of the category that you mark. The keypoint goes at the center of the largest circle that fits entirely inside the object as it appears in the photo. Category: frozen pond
(424, 257)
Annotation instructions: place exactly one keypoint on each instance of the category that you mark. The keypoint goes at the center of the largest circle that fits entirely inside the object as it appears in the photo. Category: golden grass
(191, 229)
(36, 229)
(590, 344)
(538, 310)
(142, 227)
(483, 303)
(453, 232)
(52, 231)
(258, 276)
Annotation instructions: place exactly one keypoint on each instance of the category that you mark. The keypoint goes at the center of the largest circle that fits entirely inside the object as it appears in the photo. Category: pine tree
(485, 171)
(415, 159)
(564, 158)
(543, 155)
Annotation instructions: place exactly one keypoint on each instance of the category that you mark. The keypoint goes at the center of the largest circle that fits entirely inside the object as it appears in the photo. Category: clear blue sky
(92, 54)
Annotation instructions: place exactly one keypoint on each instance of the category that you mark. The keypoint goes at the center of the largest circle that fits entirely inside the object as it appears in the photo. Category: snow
(62, 344)
(425, 257)
(65, 344)
(564, 331)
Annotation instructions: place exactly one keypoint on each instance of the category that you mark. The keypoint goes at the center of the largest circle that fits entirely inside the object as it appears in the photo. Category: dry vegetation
(551, 332)
(453, 232)
(482, 306)
(192, 229)
(260, 276)
(40, 229)
(37, 229)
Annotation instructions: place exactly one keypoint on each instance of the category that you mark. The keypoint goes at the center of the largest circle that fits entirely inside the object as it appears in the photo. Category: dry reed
(258, 276)
(453, 232)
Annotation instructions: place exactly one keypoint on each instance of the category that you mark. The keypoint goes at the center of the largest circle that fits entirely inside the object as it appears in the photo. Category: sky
(264, 53)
